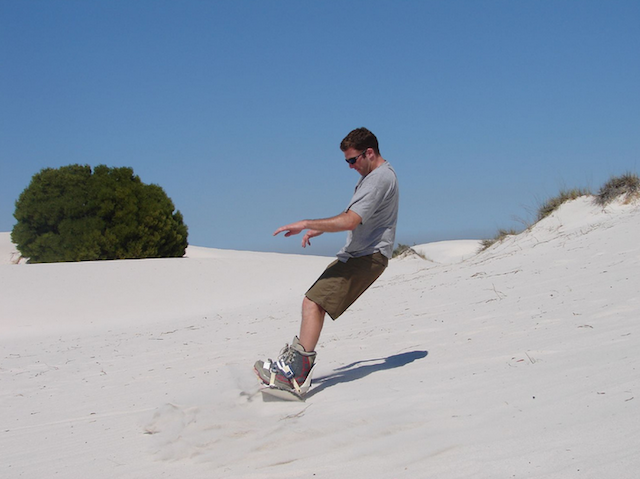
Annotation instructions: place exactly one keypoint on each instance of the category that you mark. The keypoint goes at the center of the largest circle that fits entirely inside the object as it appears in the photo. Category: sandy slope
(448, 252)
(519, 362)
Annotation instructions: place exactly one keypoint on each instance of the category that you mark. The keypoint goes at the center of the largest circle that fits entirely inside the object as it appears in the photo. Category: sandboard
(275, 394)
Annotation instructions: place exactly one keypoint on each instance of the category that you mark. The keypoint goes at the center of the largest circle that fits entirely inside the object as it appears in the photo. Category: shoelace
(287, 354)
(283, 364)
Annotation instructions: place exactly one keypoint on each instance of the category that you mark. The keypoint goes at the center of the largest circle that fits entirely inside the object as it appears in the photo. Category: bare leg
(311, 326)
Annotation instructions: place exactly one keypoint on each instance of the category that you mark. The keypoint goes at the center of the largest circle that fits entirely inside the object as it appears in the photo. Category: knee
(308, 305)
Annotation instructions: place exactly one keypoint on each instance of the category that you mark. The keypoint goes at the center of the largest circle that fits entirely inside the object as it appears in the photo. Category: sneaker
(290, 371)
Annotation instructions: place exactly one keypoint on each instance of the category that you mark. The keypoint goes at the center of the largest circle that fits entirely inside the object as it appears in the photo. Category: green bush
(74, 214)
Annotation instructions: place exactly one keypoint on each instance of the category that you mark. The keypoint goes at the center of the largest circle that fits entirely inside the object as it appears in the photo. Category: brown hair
(360, 139)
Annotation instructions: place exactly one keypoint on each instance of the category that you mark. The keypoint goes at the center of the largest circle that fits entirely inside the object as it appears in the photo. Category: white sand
(9, 254)
(520, 362)
(448, 252)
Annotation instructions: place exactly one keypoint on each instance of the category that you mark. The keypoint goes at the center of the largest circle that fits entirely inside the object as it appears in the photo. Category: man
(370, 220)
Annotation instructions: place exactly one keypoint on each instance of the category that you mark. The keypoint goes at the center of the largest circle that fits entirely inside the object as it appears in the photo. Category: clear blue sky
(237, 108)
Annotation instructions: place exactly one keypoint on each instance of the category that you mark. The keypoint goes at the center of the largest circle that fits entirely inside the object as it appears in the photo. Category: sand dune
(521, 361)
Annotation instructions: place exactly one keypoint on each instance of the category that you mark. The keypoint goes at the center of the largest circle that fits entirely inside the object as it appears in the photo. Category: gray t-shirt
(376, 201)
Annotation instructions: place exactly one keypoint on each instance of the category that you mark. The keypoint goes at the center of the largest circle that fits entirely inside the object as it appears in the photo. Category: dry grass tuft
(626, 185)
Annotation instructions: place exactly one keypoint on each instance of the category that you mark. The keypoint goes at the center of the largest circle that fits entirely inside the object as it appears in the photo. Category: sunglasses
(352, 161)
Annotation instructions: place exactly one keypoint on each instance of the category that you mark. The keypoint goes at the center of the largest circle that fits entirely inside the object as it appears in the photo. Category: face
(362, 164)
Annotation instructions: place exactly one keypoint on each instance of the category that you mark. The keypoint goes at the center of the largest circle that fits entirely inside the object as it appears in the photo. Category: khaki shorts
(342, 283)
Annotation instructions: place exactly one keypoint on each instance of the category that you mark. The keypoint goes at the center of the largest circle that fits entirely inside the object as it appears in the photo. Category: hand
(297, 228)
(310, 234)
(292, 229)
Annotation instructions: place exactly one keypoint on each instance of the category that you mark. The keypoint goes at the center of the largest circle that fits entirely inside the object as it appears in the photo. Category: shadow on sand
(360, 369)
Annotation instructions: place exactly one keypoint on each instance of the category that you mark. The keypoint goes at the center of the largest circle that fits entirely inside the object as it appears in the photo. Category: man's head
(360, 148)
(360, 139)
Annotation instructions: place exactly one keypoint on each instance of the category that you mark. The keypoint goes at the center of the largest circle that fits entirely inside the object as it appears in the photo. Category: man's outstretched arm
(346, 221)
